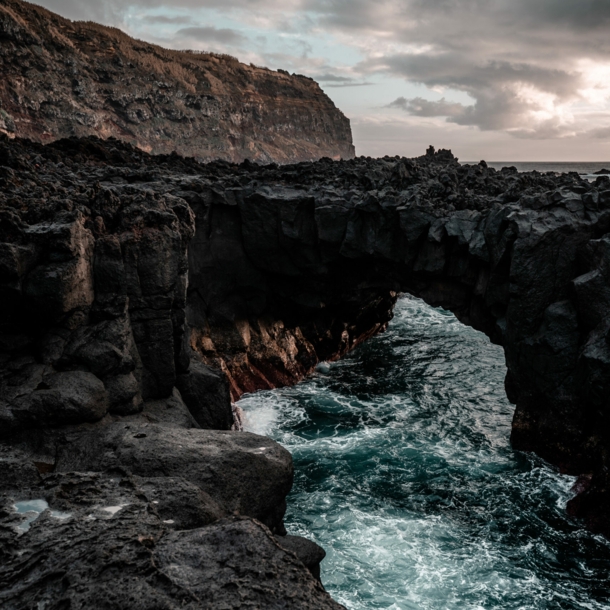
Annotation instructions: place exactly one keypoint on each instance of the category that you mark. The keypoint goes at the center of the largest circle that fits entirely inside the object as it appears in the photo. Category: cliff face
(63, 78)
(107, 415)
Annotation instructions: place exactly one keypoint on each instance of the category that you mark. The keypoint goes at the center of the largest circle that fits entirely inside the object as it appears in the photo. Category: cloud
(360, 84)
(418, 106)
(602, 133)
(211, 34)
(108, 12)
(165, 20)
(88, 9)
(483, 20)
(506, 95)
(470, 75)
(521, 62)
(333, 80)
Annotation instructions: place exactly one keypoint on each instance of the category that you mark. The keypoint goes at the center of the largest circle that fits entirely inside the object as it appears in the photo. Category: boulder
(208, 562)
(244, 473)
(70, 397)
(308, 552)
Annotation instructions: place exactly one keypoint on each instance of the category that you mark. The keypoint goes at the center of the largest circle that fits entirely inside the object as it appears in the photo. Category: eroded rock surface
(127, 280)
(62, 78)
(108, 542)
(245, 473)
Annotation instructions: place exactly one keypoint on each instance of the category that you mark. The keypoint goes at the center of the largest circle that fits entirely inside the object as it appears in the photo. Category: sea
(586, 170)
(404, 473)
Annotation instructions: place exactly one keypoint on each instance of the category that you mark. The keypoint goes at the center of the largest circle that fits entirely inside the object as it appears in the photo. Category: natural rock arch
(288, 266)
(282, 277)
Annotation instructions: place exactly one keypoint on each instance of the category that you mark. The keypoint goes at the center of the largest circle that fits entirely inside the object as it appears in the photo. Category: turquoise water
(32, 509)
(405, 475)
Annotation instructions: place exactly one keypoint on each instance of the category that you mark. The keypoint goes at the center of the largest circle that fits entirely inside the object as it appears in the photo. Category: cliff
(130, 282)
(109, 418)
(62, 78)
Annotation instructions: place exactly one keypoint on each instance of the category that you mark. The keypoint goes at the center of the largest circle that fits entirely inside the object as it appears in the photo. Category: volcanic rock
(244, 473)
(300, 264)
(206, 392)
(122, 272)
(105, 542)
(307, 551)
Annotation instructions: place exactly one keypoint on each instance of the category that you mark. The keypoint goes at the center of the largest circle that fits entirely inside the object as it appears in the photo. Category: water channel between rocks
(404, 473)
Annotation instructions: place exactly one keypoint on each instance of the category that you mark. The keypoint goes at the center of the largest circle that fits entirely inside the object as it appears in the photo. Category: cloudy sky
(504, 80)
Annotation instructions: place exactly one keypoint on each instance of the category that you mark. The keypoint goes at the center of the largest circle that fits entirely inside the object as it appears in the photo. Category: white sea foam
(405, 475)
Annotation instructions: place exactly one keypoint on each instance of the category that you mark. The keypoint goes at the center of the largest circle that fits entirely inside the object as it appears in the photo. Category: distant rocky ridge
(62, 78)
(139, 292)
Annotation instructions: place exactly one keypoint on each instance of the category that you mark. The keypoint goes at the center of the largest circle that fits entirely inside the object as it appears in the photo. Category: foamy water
(405, 475)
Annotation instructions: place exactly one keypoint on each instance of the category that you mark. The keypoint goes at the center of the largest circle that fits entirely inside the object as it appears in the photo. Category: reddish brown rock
(62, 78)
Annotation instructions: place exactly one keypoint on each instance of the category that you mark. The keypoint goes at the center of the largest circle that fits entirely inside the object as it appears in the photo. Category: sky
(502, 80)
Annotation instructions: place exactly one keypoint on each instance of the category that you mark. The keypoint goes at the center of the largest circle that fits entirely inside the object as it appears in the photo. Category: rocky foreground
(63, 78)
(139, 294)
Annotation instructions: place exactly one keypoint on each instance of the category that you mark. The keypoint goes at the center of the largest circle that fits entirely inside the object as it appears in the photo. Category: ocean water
(405, 475)
(586, 170)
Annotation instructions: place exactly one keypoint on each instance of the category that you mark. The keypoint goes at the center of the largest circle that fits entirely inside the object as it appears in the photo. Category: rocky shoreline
(141, 293)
